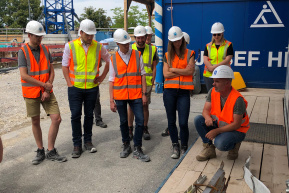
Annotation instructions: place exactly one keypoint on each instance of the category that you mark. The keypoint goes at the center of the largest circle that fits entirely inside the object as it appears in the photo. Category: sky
(107, 5)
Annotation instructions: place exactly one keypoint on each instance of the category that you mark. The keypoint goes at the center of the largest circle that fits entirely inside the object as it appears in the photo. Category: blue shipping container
(259, 32)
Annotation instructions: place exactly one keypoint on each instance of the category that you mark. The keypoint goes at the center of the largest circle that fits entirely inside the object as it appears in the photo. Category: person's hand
(98, 79)
(209, 122)
(113, 107)
(48, 86)
(45, 96)
(144, 100)
(212, 134)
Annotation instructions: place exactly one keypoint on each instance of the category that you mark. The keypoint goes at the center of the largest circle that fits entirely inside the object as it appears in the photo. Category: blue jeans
(224, 141)
(177, 99)
(137, 108)
(76, 98)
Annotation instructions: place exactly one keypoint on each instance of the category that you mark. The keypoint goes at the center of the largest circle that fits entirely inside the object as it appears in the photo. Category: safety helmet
(175, 34)
(139, 31)
(217, 28)
(187, 37)
(223, 71)
(121, 36)
(34, 27)
(87, 26)
(149, 30)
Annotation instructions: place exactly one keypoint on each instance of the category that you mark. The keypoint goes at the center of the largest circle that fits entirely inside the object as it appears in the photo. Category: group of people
(132, 71)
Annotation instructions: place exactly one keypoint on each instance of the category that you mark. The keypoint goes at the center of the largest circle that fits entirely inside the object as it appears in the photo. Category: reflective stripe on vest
(127, 83)
(39, 71)
(225, 116)
(216, 55)
(84, 67)
(147, 56)
(181, 82)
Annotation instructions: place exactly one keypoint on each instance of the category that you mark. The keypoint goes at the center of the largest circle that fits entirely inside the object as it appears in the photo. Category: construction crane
(59, 16)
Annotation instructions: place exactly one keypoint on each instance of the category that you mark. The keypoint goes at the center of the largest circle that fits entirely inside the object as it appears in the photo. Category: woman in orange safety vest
(178, 72)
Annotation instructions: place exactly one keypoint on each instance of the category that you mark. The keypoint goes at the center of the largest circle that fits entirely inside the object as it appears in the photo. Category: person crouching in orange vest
(127, 85)
(224, 121)
(37, 75)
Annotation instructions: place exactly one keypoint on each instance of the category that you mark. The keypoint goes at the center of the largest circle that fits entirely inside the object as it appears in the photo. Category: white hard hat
(88, 27)
(149, 30)
(121, 36)
(187, 37)
(217, 28)
(175, 34)
(34, 27)
(223, 71)
(139, 31)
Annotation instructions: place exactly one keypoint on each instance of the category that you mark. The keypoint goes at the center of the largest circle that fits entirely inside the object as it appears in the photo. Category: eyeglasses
(217, 34)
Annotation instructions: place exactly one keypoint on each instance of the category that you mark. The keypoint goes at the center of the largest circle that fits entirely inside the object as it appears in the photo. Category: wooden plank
(251, 103)
(275, 170)
(237, 183)
(214, 164)
(260, 110)
(172, 182)
(275, 112)
(190, 162)
(189, 178)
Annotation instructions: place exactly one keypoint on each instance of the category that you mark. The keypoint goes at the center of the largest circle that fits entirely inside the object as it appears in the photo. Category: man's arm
(65, 72)
(113, 106)
(99, 79)
(24, 75)
(154, 67)
(236, 124)
(207, 114)
(144, 89)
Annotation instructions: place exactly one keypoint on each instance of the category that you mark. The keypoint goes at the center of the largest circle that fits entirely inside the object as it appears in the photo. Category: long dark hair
(172, 51)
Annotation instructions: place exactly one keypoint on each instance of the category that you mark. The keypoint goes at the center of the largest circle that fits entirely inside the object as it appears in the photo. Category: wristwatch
(145, 93)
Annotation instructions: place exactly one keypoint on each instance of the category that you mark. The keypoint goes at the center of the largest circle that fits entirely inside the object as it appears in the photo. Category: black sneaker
(130, 132)
(100, 123)
(90, 147)
(176, 151)
(40, 156)
(166, 132)
(77, 151)
(138, 154)
(54, 156)
(184, 149)
(126, 150)
(146, 134)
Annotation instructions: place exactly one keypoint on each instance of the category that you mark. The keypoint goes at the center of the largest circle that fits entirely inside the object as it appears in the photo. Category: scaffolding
(59, 16)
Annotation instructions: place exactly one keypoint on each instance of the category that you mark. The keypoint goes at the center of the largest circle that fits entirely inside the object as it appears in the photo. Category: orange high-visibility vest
(39, 71)
(225, 116)
(127, 82)
(181, 82)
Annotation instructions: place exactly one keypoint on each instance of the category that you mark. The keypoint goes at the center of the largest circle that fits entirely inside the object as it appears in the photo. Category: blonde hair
(222, 39)
(172, 52)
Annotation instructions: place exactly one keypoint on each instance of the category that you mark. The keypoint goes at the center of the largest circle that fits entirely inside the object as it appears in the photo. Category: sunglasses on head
(217, 34)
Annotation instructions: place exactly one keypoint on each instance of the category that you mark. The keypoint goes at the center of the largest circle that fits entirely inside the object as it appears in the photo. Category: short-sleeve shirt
(239, 107)
(22, 62)
(230, 51)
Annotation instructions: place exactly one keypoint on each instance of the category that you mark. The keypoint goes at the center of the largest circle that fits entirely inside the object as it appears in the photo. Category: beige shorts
(33, 106)
(149, 91)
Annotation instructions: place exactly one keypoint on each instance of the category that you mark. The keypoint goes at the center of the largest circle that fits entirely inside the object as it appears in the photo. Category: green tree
(134, 18)
(3, 5)
(17, 13)
(97, 16)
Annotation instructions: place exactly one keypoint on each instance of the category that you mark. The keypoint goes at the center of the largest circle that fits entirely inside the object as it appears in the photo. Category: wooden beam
(149, 10)
(125, 11)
